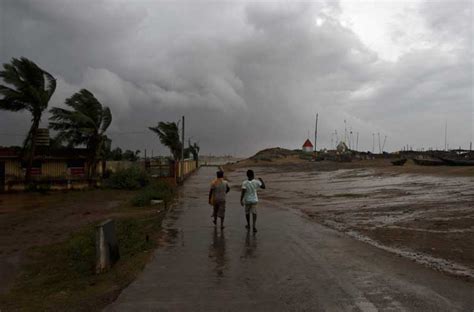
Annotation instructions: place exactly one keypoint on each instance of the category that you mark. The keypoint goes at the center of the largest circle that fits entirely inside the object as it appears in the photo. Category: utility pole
(446, 136)
(380, 147)
(345, 132)
(373, 143)
(351, 140)
(357, 142)
(182, 149)
(316, 132)
(384, 140)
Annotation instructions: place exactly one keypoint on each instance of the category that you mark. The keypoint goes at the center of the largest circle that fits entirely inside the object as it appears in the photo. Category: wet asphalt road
(291, 264)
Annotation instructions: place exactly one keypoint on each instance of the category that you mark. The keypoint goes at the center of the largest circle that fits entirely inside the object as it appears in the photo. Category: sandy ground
(28, 220)
(423, 213)
(291, 264)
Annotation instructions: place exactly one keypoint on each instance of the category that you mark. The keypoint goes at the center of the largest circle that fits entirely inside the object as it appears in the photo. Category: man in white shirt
(249, 198)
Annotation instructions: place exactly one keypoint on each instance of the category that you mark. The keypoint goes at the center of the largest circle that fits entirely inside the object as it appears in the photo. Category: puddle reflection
(250, 247)
(217, 252)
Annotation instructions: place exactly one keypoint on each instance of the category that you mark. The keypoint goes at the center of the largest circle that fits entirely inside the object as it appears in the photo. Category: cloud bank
(249, 76)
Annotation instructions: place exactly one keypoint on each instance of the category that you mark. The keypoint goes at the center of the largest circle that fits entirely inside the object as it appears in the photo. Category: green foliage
(128, 179)
(40, 187)
(168, 134)
(61, 276)
(106, 149)
(194, 150)
(156, 190)
(80, 252)
(85, 124)
(27, 87)
(131, 155)
(115, 154)
(131, 236)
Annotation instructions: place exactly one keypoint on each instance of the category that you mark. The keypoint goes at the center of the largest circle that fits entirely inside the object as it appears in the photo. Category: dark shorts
(219, 209)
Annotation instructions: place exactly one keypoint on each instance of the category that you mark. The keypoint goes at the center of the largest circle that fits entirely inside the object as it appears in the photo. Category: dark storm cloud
(247, 76)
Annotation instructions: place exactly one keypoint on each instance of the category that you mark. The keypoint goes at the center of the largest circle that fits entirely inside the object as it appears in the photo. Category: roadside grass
(132, 178)
(155, 190)
(61, 276)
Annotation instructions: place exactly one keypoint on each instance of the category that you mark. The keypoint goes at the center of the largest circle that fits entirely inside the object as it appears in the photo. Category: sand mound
(273, 153)
(274, 156)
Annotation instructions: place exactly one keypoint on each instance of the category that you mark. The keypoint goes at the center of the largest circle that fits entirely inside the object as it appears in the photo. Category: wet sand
(424, 214)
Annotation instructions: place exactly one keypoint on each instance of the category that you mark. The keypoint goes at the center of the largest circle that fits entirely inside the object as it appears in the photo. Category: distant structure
(342, 148)
(307, 146)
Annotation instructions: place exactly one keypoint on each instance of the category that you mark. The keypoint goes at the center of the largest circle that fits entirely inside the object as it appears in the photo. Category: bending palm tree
(169, 136)
(194, 150)
(84, 125)
(28, 88)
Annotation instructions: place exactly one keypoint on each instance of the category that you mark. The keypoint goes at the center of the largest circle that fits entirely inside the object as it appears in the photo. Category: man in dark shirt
(217, 193)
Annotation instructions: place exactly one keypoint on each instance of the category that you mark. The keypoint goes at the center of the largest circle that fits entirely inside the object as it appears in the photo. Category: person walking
(217, 193)
(249, 198)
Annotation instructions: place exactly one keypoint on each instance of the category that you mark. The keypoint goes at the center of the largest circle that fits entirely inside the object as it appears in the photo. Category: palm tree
(169, 136)
(28, 88)
(194, 150)
(84, 125)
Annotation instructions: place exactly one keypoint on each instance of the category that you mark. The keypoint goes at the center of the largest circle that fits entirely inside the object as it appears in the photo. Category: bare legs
(254, 217)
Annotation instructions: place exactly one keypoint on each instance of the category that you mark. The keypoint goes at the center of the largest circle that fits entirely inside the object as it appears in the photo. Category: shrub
(40, 187)
(156, 190)
(128, 179)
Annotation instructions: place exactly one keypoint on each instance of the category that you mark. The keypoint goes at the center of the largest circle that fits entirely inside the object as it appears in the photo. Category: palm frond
(84, 124)
(168, 134)
(106, 119)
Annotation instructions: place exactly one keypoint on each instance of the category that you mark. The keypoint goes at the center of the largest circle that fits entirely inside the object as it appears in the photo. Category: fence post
(107, 251)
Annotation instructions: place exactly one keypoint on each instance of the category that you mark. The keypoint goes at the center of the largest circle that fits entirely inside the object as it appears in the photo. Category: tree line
(84, 122)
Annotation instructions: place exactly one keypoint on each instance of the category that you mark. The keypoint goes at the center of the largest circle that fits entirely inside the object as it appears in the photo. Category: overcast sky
(253, 75)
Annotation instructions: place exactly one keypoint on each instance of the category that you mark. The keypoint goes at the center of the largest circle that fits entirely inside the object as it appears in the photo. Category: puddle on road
(217, 252)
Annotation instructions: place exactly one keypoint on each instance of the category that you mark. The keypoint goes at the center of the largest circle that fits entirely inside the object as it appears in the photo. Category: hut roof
(307, 143)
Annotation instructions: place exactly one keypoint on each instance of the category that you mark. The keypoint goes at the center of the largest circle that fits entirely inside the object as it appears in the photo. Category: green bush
(40, 187)
(156, 190)
(81, 252)
(128, 179)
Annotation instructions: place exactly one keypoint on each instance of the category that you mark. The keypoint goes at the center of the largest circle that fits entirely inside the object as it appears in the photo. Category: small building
(63, 168)
(342, 148)
(308, 146)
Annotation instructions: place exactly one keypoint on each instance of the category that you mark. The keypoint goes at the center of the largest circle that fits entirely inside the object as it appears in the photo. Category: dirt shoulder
(423, 213)
(47, 248)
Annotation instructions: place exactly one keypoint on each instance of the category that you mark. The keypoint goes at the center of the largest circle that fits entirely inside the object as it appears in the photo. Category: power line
(129, 132)
(108, 132)
(13, 134)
